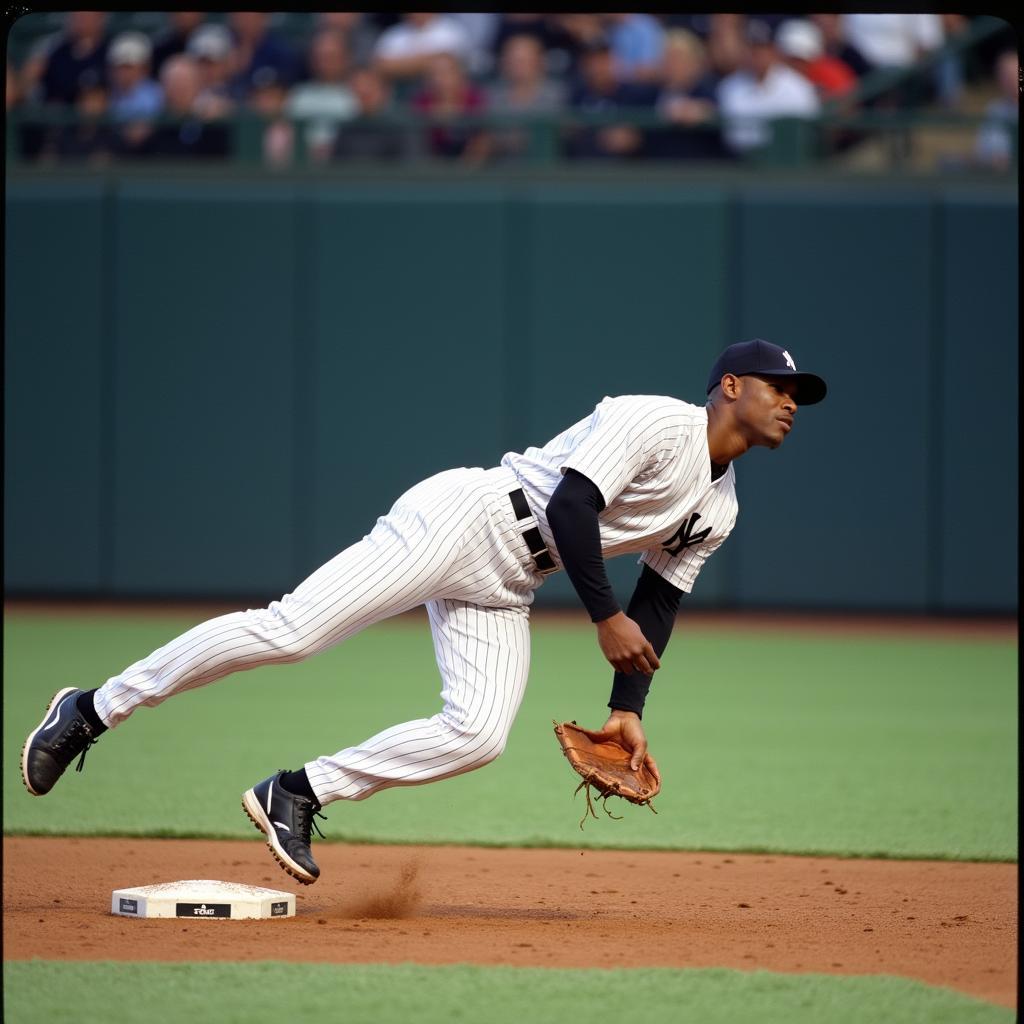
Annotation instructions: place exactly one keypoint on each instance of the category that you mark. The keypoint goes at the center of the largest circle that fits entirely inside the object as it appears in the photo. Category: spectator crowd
(460, 87)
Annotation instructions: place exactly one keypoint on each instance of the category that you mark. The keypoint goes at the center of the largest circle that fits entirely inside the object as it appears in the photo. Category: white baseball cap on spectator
(209, 42)
(130, 48)
(801, 39)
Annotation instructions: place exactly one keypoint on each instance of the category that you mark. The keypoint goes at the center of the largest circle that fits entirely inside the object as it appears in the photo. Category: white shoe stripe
(255, 808)
(55, 703)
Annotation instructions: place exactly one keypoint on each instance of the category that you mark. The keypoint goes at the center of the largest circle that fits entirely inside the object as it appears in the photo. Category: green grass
(141, 993)
(767, 741)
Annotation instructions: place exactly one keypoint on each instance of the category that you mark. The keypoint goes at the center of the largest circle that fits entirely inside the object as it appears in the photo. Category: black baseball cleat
(59, 738)
(286, 820)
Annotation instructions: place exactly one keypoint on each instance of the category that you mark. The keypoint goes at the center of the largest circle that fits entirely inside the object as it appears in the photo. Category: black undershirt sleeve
(572, 515)
(653, 608)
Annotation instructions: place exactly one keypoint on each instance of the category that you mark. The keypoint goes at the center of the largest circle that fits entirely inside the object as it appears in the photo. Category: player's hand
(625, 646)
(625, 728)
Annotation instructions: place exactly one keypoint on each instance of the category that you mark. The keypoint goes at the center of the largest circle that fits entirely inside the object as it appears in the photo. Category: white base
(202, 899)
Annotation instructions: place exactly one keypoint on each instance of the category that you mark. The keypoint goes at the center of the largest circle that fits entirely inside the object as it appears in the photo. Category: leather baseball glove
(604, 764)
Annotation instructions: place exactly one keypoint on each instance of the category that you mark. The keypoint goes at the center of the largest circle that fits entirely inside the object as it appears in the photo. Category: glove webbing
(585, 786)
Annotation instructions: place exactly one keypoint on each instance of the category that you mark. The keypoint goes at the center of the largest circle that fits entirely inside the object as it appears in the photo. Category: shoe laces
(306, 813)
(81, 760)
(77, 734)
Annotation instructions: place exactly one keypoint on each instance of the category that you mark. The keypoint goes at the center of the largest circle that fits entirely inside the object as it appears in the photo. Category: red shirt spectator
(802, 45)
(448, 91)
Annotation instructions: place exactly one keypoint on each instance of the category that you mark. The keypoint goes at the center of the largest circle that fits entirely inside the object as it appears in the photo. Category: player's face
(766, 407)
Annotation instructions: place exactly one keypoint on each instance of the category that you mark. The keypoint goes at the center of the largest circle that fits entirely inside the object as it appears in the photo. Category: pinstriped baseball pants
(452, 543)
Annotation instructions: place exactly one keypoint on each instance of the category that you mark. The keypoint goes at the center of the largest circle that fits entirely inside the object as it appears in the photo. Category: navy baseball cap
(762, 357)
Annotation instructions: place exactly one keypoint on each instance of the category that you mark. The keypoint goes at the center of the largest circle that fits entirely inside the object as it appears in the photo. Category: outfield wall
(211, 387)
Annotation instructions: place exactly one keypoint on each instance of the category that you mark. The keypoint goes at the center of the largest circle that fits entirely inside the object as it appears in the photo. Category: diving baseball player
(642, 474)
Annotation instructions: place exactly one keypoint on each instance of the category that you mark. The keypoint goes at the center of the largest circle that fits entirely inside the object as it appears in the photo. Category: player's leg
(484, 658)
(395, 568)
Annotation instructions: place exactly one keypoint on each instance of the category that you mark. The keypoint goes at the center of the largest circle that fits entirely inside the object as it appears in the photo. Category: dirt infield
(944, 923)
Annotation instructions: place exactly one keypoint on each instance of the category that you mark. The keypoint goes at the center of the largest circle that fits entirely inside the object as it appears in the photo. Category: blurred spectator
(687, 100)
(518, 24)
(838, 46)
(581, 32)
(994, 146)
(187, 135)
(832, 51)
(726, 44)
(897, 41)
(256, 48)
(558, 44)
(893, 40)
(764, 89)
(480, 29)
(135, 100)
(598, 92)
(405, 50)
(949, 74)
(802, 46)
(172, 40)
(585, 30)
(211, 47)
(57, 69)
(268, 97)
(987, 51)
(448, 93)
(698, 24)
(360, 35)
(522, 88)
(134, 96)
(74, 59)
(12, 97)
(326, 100)
(369, 136)
(637, 42)
(89, 138)
(515, 24)
(381, 21)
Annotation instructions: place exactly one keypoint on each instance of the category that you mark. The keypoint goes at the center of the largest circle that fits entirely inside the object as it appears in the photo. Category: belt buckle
(518, 500)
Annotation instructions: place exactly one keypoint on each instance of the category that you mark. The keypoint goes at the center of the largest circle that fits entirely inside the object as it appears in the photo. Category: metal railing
(914, 80)
(549, 141)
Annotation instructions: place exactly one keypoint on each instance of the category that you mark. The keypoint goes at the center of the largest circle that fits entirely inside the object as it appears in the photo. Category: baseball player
(644, 474)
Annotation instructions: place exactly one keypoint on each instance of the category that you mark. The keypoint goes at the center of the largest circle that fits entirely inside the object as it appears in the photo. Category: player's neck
(725, 440)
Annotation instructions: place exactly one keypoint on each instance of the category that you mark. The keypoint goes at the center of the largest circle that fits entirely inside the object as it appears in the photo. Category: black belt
(534, 541)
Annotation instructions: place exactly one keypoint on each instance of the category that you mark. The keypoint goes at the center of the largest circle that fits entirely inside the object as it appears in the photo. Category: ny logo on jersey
(684, 537)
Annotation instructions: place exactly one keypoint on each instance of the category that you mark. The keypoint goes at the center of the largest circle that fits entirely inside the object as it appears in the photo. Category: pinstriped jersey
(648, 455)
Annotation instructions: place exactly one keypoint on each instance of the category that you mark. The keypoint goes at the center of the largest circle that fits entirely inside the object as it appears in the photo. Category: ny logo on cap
(789, 360)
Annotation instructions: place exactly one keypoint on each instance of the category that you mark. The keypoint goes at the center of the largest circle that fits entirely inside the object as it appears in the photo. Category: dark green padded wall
(205, 395)
(839, 513)
(212, 388)
(406, 300)
(55, 317)
(977, 418)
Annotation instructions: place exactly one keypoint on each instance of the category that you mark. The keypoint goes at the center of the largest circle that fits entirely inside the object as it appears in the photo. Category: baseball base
(202, 899)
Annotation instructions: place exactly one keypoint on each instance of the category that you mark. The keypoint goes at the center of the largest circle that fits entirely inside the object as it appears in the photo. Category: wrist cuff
(629, 692)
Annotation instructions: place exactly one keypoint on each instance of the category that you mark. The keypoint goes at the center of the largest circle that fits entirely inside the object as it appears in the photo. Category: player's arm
(653, 608)
(572, 515)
